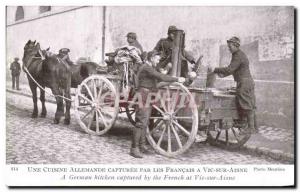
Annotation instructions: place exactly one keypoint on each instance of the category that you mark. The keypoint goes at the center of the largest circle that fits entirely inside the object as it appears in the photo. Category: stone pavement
(277, 143)
(39, 141)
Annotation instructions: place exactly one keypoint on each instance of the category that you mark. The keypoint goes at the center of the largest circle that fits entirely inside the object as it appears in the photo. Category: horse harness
(41, 87)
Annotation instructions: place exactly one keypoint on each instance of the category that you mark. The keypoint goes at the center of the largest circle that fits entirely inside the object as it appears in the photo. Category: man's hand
(181, 79)
(163, 71)
(169, 66)
(221, 75)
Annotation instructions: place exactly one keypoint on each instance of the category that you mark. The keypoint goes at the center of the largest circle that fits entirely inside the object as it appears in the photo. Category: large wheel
(96, 105)
(226, 137)
(174, 121)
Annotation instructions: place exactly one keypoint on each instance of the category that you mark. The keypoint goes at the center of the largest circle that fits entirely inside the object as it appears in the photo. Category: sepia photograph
(151, 86)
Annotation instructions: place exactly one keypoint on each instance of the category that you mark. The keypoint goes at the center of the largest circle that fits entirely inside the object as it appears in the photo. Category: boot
(143, 143)
(251, 123)
(255, 123)
(135, 152)
(136, 137)
(247, 129)
(242, 121)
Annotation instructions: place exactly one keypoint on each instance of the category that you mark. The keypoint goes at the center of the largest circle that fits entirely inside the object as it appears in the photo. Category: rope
(51, 94)
(125, 77)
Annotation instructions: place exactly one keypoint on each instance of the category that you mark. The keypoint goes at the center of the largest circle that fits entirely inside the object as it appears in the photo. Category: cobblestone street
(39, 141)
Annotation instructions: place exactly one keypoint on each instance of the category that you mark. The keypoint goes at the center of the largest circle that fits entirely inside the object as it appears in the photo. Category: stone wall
(78, 29)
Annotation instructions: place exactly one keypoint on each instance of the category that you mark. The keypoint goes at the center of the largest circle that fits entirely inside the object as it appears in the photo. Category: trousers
(15, 81)
(142, 116)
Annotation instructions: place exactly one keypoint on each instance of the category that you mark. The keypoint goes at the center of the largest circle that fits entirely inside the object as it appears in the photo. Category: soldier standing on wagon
(164, 47)
(147, 77)
(15, 73)
(239, 68)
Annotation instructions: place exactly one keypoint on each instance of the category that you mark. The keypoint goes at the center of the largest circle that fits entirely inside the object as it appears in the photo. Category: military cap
(234, 40)
(64, 50)
(172, 28)
(16, 58)
(131, 35)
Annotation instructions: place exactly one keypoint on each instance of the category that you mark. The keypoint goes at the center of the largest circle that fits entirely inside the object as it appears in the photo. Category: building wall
(78, 28)
(207, 28)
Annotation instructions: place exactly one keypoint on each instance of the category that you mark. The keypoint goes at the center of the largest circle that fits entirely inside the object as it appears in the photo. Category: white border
(295, 3)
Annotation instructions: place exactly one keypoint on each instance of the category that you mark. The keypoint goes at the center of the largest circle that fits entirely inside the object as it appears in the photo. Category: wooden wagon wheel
(96, 105)
(167, 133)
(226, 138)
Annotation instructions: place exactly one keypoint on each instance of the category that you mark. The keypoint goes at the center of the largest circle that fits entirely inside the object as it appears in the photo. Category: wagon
(179, 113)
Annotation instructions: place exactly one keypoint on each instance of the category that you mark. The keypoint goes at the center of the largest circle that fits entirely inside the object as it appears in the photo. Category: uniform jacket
(66, 58)
(137, 45)
(15, 68)
(164, 46)
(238, 67)
(147, 77)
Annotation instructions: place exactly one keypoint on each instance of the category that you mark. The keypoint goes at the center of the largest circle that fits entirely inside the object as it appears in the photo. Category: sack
(128, 54)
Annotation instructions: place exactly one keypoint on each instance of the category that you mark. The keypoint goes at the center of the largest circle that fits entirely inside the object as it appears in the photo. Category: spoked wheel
(226, 138)
(130, 112)
(96, 105)
(174, 109)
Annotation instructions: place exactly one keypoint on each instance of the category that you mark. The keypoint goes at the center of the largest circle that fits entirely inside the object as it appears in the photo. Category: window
(19, 13)
(44, 9)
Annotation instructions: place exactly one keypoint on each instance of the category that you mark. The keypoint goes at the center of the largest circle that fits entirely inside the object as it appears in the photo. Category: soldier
(239, 68)
(164, 47)
(132, 41)
(64, 55)
(146, 82)
(15, 73)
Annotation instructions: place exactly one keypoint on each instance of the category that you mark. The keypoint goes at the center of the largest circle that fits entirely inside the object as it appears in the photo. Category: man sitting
(132, 41)
(64, 55)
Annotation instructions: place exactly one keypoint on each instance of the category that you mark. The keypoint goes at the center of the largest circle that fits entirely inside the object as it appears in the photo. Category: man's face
(232, 48)
(155, 60)
(171, 36)
(130, 40)
(64, 53)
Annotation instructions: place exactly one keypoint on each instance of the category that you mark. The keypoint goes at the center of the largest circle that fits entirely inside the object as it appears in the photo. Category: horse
(48, 70)
(79, 71)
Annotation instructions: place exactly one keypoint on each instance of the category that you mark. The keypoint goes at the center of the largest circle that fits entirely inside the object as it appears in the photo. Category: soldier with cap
(164, 47)
(15, 68)
(147, 78)
(132, 41)
(64, 55)
(245, 97)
